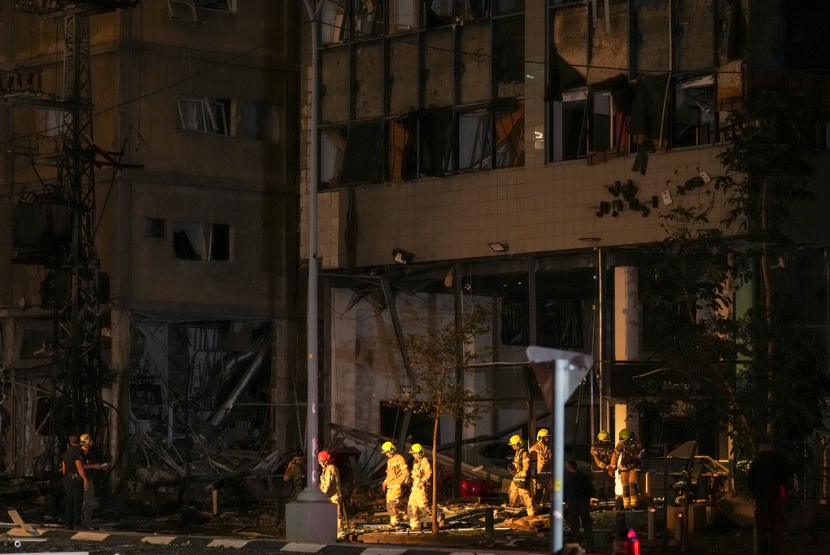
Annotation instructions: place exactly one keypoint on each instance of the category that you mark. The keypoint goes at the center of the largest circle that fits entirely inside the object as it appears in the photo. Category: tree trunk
(766, 281)
(435, 484)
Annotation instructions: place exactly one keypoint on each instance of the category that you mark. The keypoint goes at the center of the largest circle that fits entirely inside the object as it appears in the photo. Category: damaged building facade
(195, 227)
(522, 154)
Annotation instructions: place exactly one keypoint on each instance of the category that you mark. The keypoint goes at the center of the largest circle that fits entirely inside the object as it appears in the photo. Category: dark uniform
(577, 493)
(294, 475)
(769, 475)
(601, 453)
(74, 484)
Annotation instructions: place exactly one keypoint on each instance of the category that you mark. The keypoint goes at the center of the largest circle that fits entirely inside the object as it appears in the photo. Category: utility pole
(65, 209)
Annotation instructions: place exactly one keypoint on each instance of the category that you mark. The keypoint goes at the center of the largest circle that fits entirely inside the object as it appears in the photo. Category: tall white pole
(312, 518)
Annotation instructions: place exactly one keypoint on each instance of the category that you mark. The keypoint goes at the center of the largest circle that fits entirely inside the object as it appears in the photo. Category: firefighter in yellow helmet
(419, 508)
(521, 485)
(601, 468)
(540, 453)
(397, 474)
(626, 459)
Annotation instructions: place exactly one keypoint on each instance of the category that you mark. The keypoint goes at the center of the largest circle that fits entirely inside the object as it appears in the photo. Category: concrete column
(626, 313)
(120, 363)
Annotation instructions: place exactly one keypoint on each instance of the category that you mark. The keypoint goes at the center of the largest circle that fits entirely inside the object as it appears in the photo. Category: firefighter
(397, 474)
(419, 508)
(520, 486)
(541, 453)
(601, 453)
(294, 474)
(92, 467)
(626, 459)
(330, 485)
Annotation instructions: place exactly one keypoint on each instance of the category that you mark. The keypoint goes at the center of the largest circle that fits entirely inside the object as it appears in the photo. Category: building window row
(194, 241)
(433, 101)
(256, 121)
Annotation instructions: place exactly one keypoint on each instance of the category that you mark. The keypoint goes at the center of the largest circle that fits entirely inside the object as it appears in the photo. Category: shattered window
(368, 94)
(695, 112)
(197, 241)
(583, 123)
(404, 83)
(472, 140)
(439, 69)
(509, 56)
(368, 17)
(334, 23)
(189, 241)
(439, 13)
(261, 122)
(220, 242)
(362, 158)
(403, 15)
(475, 64)
(510, 135)
(332, 152)
(414, 88)
(335, 94)
(205, 115)
(155, 227)
(37, 338)
(401, 156)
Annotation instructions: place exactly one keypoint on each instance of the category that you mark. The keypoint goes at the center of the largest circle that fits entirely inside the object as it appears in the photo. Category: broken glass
(334, 22)
(404, 76)
(510, 135)
(695, 112)
(332, 152)
(472, 140)
(434, 133)
(368, 18)
(335, 93)
(475, 64)
(403, 15)
(368, 90)
(189, 241)
(401, 156)
(362, 162)
(438, 64)
(509, 57)
(438, 13)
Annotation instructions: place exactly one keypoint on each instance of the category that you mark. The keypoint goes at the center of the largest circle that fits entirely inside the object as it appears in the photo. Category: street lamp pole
(312, 518)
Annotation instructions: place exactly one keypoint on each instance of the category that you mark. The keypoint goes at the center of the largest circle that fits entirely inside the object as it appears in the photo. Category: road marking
(382, 551)
(158, 540)
(228, 542)
(90, 536)
(303, 547)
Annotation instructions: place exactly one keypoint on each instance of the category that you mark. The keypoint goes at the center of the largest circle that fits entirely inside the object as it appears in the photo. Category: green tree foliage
(437, 355)
(774, 386)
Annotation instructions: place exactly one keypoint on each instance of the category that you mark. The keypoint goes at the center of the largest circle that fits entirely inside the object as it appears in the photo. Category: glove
(384, 487)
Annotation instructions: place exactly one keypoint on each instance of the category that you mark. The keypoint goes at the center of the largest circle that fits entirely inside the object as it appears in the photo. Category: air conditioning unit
(181, 12)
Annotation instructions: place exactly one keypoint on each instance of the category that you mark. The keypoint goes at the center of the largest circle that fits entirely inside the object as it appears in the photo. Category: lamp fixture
(498, 247)
(401, 256)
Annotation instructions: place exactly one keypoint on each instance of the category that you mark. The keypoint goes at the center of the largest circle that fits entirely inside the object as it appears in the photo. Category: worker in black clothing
(579, 489)
(769, 475)
(75, 481)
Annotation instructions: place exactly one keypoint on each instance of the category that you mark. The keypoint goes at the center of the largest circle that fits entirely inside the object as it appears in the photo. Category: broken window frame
(216, 5)
(213, 115)
(416, 140)
(155, 228)
(509, 143)
(691, 127)
(567, 143)
(202, 238)
(405, 23)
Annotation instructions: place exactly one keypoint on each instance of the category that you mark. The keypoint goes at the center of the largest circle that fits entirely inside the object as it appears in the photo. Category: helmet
(416, 449)
(625, 434)
(516, 440)
(542, 433)
(323, 457)
(603, 436)
(387, 447)
(86, 439)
